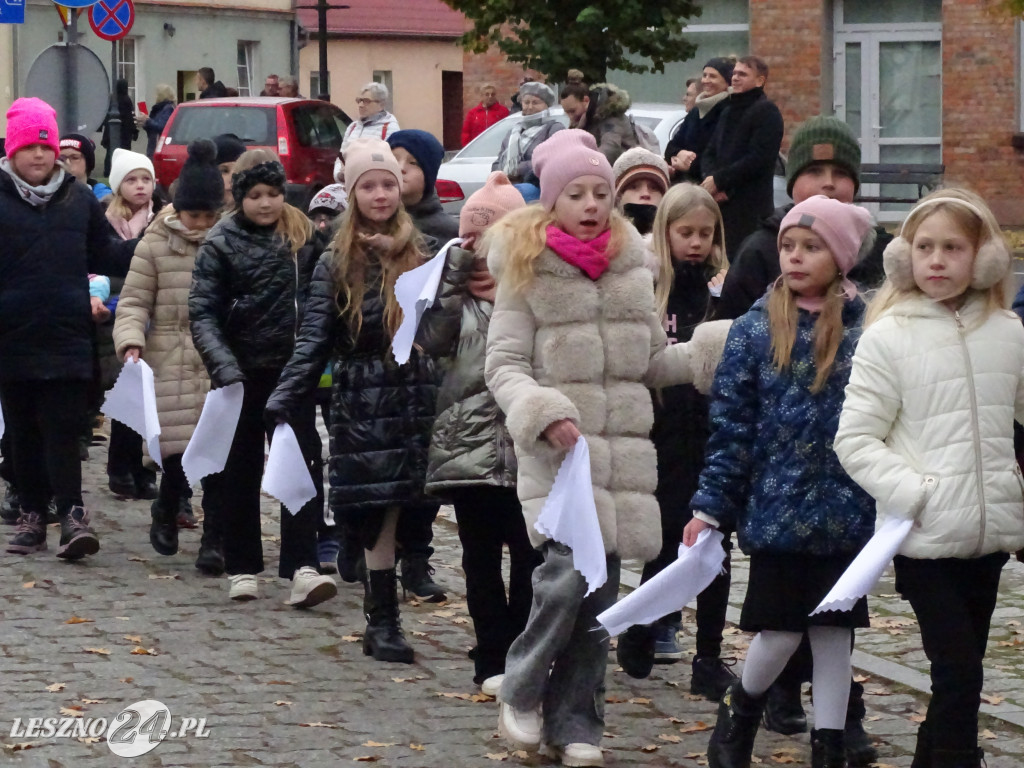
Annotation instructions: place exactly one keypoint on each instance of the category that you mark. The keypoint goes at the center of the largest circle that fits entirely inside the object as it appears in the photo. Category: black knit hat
(84, 145)
(229, 147)
(200, 186)
(270, 173)
(723, 66)
(823, 140)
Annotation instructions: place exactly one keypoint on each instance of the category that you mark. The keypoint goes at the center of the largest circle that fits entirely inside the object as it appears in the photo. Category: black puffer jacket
(381, 413)
(46, 256)
(247, 291)
(433, 221)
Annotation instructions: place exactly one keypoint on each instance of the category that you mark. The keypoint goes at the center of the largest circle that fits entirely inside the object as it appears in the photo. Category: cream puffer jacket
(927, 425)
(573, 348)
(152, 313)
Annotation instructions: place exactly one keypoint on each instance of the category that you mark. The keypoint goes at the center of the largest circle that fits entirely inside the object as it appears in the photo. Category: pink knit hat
(567, 155)
(841, 225)
(31, 121)
(488, 204)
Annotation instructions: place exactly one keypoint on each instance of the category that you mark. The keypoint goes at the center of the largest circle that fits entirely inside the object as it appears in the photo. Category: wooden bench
(924, 176)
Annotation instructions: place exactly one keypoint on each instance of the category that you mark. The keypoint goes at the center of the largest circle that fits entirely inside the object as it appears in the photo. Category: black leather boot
(417, 578)
(383, 638)
(732, 741)
(957, 758)
(783, 712)
(210, 558)
(923, 748)
(635, 651)
(827, 748)
(860, 751)
(163, 531)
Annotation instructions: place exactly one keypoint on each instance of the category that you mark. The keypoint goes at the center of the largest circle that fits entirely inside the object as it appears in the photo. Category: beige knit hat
(636, 163)
(364, 155)
(488, 204)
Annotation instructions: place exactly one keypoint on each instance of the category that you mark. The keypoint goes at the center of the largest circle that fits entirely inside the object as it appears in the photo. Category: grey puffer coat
(470, 444)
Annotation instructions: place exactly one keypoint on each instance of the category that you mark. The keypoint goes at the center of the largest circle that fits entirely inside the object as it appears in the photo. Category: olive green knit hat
(823, 140)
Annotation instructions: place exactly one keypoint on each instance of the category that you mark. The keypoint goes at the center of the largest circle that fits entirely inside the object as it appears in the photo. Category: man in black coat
(208, 84)
(740, 159)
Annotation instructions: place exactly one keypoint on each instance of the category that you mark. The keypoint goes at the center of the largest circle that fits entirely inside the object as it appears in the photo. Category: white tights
(830, 648)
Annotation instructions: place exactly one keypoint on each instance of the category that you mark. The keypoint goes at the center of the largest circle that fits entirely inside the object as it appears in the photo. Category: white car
(465, 173)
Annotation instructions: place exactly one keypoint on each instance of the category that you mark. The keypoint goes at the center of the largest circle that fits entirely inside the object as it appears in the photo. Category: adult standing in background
(289, 87)
(692, 91)
(373, 121)
(208, 84)
(740, 158)
(129, 131)
(685, 150)
(537, 125)
(272, 86)
(160, 113)
(483, 115)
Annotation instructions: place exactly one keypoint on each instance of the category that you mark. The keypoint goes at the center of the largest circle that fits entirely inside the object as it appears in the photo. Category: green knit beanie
(823, 140)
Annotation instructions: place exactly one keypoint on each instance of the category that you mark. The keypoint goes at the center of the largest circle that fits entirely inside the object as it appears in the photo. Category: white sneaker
(578, 754)
(491, 685)
(520, 729)
(309, 588)
(243, 587)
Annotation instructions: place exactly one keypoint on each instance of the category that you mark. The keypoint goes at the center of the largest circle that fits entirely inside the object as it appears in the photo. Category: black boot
(383, 639)
(859, 749)
(923, 748)
(732, 741)
(957, 758)
(827, 748)
(163, 531)
(635, 651)
(416, 578)
(783, 712)
(710, 677)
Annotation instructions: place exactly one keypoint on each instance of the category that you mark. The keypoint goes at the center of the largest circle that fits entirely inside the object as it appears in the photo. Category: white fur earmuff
(991, 263)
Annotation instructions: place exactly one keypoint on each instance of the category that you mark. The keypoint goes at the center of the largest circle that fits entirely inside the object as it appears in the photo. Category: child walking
(153, 323)
(575, 339)
(688, 229)
(770, 471)
(471, 459)
(927, 429)
(248, 292)
(381, 412)
(54, 235)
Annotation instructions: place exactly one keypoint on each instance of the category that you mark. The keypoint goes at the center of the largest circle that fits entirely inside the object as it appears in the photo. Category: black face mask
(641, 215)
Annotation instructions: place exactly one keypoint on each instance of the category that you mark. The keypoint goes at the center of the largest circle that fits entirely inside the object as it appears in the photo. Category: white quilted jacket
(927, 426)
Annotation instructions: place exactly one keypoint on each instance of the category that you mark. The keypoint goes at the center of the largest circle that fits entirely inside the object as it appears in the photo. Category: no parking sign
(112, 19)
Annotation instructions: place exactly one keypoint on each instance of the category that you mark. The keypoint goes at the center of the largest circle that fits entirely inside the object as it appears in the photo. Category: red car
(305, 133)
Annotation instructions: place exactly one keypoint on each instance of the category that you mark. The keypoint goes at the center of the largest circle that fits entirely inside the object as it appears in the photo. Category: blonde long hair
(524, 234)
(677, 202)
(977, 230)
(293, 227)
(350, 258)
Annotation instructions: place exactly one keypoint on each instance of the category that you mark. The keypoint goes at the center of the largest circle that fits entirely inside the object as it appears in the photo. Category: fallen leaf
(282, 703)
(351, 638)
(89, 739)
(669, 737)
(100, 651)
(367, 759)
(650, 748)
(22, 746)
(639, 700)
(784, 759)
(613, 699)
(164, 576)
(122, 618)
(696, 727)
(522, 754)
(56, 687)
(138, 560)
(460, 620)
(915, 718)
(140, 651)
(417, 633)
(127, 679)
(28, 584)
(78, 620)
(418, 747)
(378, 744)
(133, 639)
(72, 711)
(731, 631)
(860, 678)
(497, 755)
(92, 701)
(317, 725)
(987, 734)
(872, 718)
(993, 700)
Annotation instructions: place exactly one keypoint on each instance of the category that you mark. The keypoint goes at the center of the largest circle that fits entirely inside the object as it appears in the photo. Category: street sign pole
(71, 92)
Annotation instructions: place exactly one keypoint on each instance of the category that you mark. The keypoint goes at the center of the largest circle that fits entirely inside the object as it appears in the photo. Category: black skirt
(784, 588)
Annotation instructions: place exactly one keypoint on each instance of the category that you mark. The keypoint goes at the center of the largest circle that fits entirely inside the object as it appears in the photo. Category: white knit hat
(124, 162)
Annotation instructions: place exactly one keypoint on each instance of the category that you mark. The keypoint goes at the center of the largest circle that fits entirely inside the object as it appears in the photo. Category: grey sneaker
(77, 539)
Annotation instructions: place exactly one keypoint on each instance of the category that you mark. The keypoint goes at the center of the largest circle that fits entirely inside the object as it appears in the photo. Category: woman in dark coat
(381, 412)
(686, 147)
(129, 131)
(158, 116)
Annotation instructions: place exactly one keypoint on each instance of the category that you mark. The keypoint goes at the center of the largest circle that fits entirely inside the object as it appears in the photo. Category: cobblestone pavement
(284, 687)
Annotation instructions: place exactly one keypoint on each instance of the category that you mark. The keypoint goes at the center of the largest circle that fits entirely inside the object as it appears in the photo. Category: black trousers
(44, 421)
(234, 493)
(173, 483)
(713, 602)
(124, 453)
(953, 599)
(490, 517)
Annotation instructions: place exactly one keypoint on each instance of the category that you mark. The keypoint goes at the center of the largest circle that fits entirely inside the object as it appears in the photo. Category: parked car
(305, 133)
(467, 171)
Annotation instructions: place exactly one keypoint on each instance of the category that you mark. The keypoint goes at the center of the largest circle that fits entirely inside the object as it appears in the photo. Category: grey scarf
(37, 196)
(519, 139)
(705, 104)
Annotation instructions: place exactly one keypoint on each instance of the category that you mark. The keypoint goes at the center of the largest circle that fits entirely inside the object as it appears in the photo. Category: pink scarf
(131, 228)
(814, 304)
(590, 256)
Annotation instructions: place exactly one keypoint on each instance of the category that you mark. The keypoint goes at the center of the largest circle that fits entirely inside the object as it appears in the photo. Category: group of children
(559, 321)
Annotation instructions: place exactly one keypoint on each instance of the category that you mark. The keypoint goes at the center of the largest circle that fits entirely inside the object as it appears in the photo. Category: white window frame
(249, 47)
(136, 87)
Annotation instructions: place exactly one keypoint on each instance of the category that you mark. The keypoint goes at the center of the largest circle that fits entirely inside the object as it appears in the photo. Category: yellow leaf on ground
(28, 584)
(379, 743)
(639, 700)
(696, 727)
(860, 678)
(140, 651)
(522, 754)
(497, 755)
(72, 711)
(915, 718)
(351, 638)
(669, 737)
(614, 699)
(418, 747)
(990, 699)
(22, 746)
(133, 639)
(987, 734)
(127, 679)
(78, 620)
(282, 703)
(56, 687)
(89, 739)
(650, 748)
(92, 701)
(100, 651)
(137, 560)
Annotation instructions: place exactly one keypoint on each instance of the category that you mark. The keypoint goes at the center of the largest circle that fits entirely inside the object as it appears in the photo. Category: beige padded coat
(587, 350)
(152, 313)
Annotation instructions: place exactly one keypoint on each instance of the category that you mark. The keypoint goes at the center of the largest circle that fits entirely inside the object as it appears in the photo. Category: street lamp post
(321, 8)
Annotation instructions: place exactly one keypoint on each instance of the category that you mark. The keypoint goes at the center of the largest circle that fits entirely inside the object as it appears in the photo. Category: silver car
(468, 170)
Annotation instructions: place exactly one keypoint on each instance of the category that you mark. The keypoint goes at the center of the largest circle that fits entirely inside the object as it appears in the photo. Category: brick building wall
(980, 108)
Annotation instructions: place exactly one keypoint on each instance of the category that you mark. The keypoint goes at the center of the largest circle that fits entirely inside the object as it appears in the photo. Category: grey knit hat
(542, 91)
(637, 162)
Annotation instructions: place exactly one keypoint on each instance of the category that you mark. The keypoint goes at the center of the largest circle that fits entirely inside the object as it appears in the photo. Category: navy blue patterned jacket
(770, 469)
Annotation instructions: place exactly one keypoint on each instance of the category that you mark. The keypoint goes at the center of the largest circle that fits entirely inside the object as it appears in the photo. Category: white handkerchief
(866, 569)
(207, 451)
(286, 477)
(672, 588)
(132, 401)
(569, 516)
(3, 425)
(415, 291)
